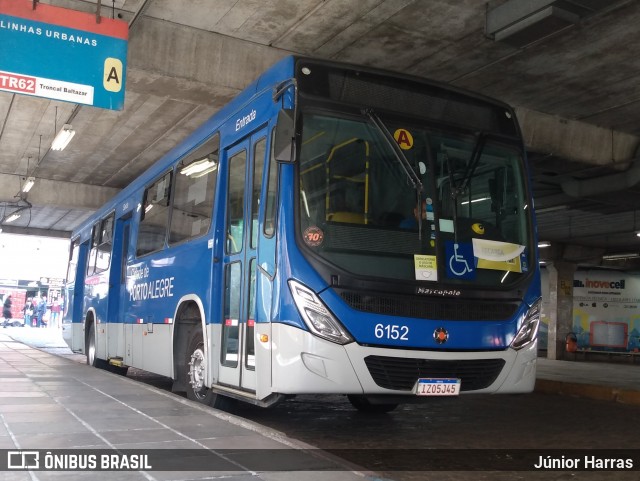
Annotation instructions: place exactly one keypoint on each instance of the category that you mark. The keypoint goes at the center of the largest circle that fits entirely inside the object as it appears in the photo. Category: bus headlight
(529, 329)
(316, 316)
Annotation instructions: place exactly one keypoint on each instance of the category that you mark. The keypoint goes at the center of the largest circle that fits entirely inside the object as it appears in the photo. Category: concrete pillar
(560, 306)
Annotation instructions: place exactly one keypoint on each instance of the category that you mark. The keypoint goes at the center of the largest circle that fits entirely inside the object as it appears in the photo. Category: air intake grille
(401, 373)
(440, 309)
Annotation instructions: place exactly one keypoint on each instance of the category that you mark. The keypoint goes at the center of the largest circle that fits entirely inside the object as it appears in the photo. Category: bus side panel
(147, 346)
(263, 345)
(155, 284)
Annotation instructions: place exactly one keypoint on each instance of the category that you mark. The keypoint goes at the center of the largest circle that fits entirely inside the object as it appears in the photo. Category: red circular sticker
(313, 236)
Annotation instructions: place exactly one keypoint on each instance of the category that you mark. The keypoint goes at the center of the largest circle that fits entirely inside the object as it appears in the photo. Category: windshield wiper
(411, 174)
(473, 161)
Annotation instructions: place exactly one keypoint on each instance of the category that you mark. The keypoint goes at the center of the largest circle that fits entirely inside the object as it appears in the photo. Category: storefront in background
(22, 289)
(606, 313)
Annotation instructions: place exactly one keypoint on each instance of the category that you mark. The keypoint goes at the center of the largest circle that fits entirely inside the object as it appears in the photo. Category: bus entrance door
(244, 184)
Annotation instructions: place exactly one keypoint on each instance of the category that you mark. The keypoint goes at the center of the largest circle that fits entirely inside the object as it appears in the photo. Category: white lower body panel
(304, 363)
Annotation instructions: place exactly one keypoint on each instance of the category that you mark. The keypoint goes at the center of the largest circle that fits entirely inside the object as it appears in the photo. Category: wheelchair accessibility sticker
(460, 261)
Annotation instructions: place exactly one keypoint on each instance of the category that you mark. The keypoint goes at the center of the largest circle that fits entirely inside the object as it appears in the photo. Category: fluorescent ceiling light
(614, 257)
(63, 138)
(12, 217)
(205, 172)
(544, 244)
(474, 200)
(201, 167)
(551, 209)
(28, 184)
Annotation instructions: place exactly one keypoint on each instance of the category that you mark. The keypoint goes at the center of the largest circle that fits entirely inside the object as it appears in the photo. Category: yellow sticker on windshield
(478, 228)
(426, 267)
(404, 139)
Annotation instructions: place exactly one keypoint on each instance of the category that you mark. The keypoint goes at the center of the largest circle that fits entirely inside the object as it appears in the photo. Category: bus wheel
(362, 404)
(196, 368)
(90, 350)
(196, 363)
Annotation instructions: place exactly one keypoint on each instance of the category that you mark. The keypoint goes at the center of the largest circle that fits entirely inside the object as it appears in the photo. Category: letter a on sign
(112, 79)
(404, 139)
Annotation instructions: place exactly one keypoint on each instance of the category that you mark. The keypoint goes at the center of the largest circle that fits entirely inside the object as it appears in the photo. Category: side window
(101, 246)
(272, 196)
(235, 207)
(230, 331)
(103, 259)
(194, 192)
(95, 240)
(154, 216)
(73, 261)
(259, 151)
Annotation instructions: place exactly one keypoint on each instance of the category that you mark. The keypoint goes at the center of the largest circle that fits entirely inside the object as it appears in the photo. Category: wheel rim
(91, 351)
(197, 372)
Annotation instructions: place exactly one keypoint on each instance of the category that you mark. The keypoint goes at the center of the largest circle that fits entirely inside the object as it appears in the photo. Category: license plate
(438, 387)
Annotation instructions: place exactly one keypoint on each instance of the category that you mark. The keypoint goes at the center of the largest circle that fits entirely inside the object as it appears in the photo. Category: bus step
(116, 361)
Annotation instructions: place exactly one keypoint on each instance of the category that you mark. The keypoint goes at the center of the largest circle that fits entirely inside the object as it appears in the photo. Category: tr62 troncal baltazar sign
(62, 54)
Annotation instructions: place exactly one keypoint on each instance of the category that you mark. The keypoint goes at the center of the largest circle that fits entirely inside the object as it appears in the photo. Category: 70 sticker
(313, 236)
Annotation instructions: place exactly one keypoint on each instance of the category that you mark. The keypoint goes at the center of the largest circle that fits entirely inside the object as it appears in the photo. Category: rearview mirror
(283, 147)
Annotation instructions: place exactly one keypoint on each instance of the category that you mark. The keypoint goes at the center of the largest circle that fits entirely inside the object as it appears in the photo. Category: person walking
(40, 310)
(6, 311)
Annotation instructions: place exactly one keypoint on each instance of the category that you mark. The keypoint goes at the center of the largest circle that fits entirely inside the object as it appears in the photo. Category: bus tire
(196, 363)
(362, 404)
(90, 350)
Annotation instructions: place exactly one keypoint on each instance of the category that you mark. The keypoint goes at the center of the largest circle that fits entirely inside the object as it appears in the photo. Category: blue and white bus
(334, 229)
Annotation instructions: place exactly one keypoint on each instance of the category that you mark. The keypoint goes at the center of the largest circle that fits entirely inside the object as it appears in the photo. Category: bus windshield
(446, 206)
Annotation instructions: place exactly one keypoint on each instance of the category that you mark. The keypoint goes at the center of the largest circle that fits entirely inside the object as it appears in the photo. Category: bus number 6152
(392, 331)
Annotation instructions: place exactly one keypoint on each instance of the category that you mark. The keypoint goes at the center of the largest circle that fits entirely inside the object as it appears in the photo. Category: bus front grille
(401, 373)
(441, 309)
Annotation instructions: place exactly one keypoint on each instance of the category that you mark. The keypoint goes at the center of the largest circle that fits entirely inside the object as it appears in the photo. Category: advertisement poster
(606, 314)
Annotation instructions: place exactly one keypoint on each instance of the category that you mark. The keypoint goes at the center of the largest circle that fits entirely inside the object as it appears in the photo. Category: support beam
(560, 306)
(575, 140)
(56, 193)
(30, 231)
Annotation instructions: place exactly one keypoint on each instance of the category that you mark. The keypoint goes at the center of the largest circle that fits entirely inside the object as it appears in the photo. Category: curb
(590, 391)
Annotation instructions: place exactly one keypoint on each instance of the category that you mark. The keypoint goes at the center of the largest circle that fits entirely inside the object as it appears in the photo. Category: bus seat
(349, 217)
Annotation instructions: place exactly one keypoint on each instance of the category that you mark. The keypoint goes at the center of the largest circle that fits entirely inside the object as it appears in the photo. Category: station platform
(51, 403)
(619, 382)
(50, 400)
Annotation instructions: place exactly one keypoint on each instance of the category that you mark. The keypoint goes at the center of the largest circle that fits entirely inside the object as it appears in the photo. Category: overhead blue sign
(62, 54)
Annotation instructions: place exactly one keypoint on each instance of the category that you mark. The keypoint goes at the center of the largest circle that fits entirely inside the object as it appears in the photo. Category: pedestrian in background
(55, 313)
(28, 312)
(6, 311)
(40, 310)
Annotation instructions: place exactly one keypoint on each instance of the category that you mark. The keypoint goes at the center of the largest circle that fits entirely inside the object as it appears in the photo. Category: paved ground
(53, 407)
(39, 393)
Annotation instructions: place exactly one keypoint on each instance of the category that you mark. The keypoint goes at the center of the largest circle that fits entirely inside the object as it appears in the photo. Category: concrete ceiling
(575, 85)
